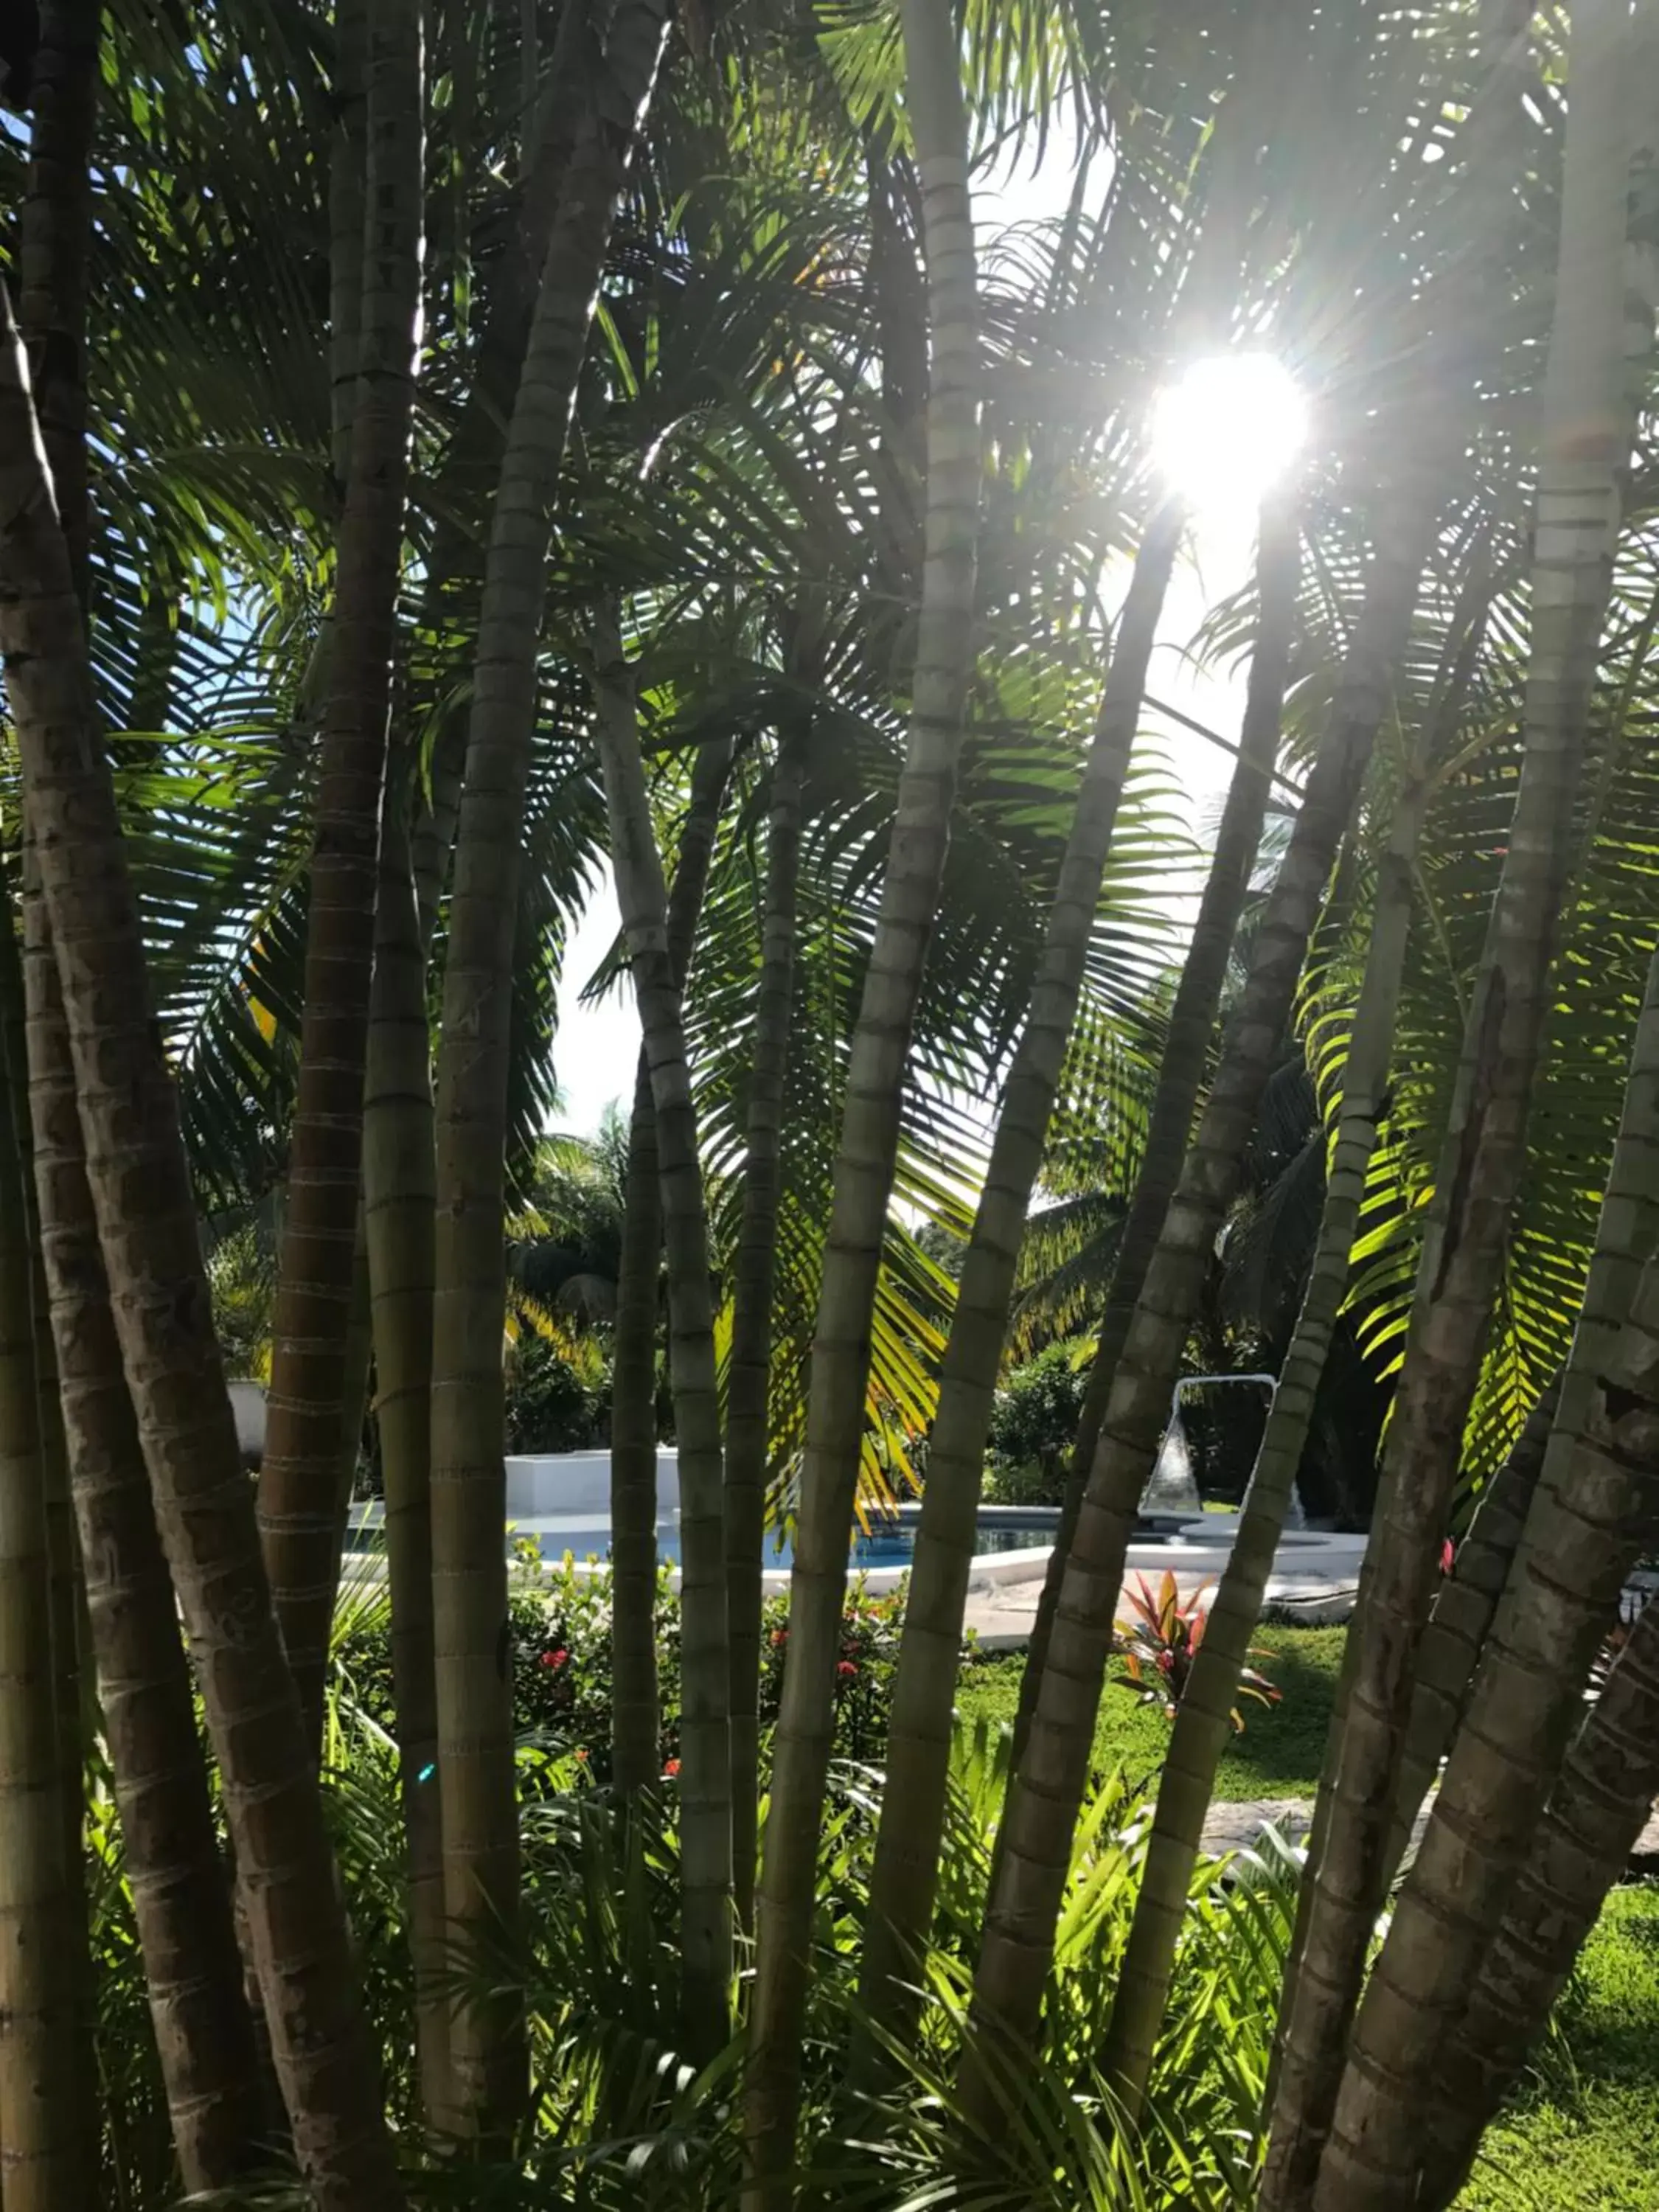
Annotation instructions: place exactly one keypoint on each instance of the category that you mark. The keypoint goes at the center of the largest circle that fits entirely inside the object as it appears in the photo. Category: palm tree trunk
(1600, 1805)
(47, 2123)
(146, 1218)
(1464, 1607)
(1181, 1074)
(636, 1712)
(468, 1492)
(399, 1182)
(203, 2033)
(705, 1662)
(1048, 1789)
(749, 1371)
(636, 1746)
(869, 1126)
(1597, 1502)
(54, 239)
(1204, 1720)
(901, 1893)
(300, 1517)
(1585, 443)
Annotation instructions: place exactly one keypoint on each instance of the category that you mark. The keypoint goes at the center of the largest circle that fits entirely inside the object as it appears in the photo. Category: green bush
(562, 1674)
(1033, 1423)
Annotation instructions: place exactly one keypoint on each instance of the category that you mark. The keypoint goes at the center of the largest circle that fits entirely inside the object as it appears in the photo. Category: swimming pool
(890, 1542)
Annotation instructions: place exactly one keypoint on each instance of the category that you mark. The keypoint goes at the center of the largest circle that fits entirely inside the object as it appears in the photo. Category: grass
(1582, 2136)
(1279, 1754)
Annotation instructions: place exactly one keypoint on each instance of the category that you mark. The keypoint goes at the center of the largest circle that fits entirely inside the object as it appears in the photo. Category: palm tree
(1186, 1051)
(754, 1268)
(46, 2123)
(400, 1225)
(1204, 1719)
(146, 1217)
(705, 1664)
(1588, 1517)
(636, 1749)
(1047, 1787)
(301, 1508)
(203, 2034)
(1465, 1606)
(902, 1885)
(869, 1126)
(475, 1723)
(1588, 422)
(1602, 1801)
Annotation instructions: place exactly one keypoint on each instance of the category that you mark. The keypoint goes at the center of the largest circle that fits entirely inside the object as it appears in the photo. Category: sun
(1227, 430)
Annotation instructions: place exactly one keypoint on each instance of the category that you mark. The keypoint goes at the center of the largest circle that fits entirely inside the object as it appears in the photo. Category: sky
(598, 1042)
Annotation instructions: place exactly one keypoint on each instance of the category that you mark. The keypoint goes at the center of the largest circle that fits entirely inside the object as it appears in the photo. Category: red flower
(555, 1658)
(780, 1637)
(845, 1667)
(1446, 1556)
(671, 1768)
(581, 1753)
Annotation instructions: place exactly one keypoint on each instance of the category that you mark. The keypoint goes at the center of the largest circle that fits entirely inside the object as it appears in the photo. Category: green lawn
(1584, 2136)
(1279, 1754)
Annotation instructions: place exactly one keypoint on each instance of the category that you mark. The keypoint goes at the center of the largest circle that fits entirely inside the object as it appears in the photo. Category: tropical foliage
(455, 459)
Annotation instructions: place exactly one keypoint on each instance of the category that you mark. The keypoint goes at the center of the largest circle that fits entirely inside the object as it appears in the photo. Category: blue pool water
(889, 1543)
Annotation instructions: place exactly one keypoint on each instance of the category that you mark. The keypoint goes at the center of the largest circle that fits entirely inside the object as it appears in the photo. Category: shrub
(1033, 1423)
(562, 1674)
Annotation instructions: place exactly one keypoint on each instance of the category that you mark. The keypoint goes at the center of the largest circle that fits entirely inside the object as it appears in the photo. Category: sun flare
(1226, 431)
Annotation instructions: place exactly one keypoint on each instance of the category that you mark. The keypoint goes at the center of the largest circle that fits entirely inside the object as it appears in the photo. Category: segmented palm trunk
(471, 1633)
(705, 1662)
(301, 1508)
(1048, 1789)
(1599, 1807)
(181, 1903)
(749, 1369)
(54, 237)
(636, 1748)
(1585, 442)
(1464, 1607)
(918, 1741)
(146, 1218)
(47, 2123)
(1180, 1077)
(399, 1185)
(637, 1708)
(1204, 1720)
(1595, 1505)
(869, 1125)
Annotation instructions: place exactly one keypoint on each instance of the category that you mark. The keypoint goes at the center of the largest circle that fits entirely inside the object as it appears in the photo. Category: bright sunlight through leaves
(1228, 430)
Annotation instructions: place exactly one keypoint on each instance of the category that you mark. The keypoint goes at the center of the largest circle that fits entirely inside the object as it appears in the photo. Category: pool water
(890, 1543)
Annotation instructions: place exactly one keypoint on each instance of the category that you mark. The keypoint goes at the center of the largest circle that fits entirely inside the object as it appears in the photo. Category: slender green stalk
(705, 1662)
(47, 2123)
(472, 1632)
(869, 1126)
(399, 1183)
(637, 1746)
(749, 1373)
(300, 1516)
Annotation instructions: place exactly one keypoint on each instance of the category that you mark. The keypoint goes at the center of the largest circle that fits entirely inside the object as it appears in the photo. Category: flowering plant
(1157, 1644)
